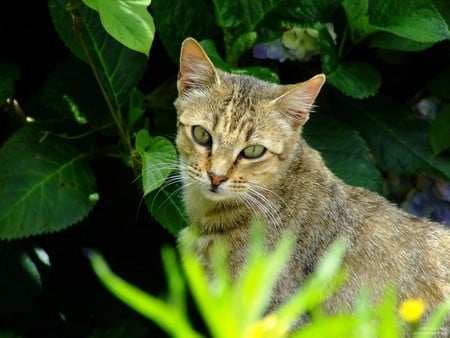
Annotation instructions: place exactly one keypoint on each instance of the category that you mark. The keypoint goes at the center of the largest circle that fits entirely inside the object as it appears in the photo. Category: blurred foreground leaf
(171, 318)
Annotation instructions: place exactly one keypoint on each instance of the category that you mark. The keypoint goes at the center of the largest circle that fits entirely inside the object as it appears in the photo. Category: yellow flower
(268, 327)
(411, 310)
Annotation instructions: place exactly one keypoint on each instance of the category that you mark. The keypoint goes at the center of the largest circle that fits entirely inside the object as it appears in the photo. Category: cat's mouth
(215, 193)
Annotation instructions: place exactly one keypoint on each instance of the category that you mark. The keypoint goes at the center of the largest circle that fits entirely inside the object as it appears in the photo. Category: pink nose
(216, 180)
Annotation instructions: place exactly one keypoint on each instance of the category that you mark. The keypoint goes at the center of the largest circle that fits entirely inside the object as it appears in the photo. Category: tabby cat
(242, 156)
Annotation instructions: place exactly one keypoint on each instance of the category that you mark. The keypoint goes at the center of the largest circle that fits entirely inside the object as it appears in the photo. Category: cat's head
(235, 132)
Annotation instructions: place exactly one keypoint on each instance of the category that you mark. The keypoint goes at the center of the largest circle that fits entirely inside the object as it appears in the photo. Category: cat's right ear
(196, 69)
(297, 102)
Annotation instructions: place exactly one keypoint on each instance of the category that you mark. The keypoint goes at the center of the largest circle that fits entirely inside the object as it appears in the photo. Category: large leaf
(344, 151)
(166, 205)
(70, 91)
(128, 21)
(412, 19)
(46, 185)
(397, 140)
(177, 20)
(244, 14)
(394, 42)
(118, 67)
(259, 72)
(238, 20)
(159, 159)
(416, 20)
(355, 79)
(9, 73)
(305, 12)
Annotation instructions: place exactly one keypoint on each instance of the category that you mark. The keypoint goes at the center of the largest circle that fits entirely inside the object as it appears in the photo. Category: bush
(88, 122)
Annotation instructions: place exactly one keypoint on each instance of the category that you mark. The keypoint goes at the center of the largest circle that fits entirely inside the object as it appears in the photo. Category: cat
(242, 156)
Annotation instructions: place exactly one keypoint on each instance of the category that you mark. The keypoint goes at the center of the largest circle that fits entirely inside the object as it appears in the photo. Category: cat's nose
(216, 179)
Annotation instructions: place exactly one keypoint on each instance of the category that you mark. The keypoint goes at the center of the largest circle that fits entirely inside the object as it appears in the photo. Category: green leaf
(118, 67)
(210, 48)
(358, 80)
(244, 14)
(128, 21)
(434, 324)
(159, 159)
(397, 140)
(166, 205)
(68, 88)
(45, 185)
(416, 20)
(240, 45)
(443, 6)
(262, 73)
(160, 102)
(440, 84)
(440, 132)
(238, 20)
(177, 20)
(9, 73)
(393, 42)
(329, 55)
(136, 110)
(306, 12)
(343, 148)
(165, 315)
(357, 16)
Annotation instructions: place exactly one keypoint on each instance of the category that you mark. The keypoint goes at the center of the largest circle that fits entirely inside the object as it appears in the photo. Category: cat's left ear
(298, 100)
(196, 69)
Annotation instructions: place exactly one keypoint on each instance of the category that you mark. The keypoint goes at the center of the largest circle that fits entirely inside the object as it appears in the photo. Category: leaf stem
(115, 115)
(343, 40)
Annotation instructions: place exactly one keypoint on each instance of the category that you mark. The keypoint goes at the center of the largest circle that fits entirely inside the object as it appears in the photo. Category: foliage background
(87, 155)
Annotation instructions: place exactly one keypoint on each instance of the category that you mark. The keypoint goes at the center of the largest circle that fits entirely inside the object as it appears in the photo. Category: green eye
(201, 136)
(255, 151)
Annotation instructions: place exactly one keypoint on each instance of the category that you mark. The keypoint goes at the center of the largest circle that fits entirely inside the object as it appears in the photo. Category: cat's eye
(201, 136)
(254, 151)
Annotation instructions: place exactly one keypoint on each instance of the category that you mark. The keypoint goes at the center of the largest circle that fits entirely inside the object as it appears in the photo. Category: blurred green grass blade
(166, 316)
(327, 278)
(212, 301)
(254, 288)
(432, 327)
(175, 281)
(389, 320)
(338, 326)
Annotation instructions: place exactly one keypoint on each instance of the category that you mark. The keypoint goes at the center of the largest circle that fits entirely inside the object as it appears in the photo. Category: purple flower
(296, 43)
(428, 108)
(270, 50)
(426, 204)
(441, 190)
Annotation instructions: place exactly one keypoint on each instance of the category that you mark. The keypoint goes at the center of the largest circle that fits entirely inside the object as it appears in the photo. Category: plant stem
(114, 114)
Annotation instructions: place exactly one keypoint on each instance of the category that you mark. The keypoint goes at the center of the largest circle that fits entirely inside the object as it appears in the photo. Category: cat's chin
(218, 196)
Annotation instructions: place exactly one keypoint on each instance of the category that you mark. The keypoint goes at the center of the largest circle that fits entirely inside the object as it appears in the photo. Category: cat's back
(390, 245)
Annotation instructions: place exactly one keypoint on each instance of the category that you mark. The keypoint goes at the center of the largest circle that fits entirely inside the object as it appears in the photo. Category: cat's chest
(235, 244)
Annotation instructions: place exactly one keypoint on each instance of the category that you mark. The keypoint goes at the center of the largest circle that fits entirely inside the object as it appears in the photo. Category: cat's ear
(298, 100)
(196, 69)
